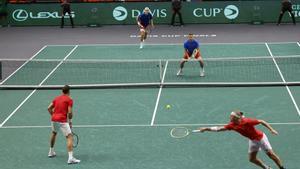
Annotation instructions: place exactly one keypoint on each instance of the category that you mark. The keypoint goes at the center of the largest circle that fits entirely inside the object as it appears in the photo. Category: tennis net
(242, 71)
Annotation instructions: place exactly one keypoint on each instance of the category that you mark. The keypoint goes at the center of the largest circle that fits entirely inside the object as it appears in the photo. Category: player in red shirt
(257, 139)
(61, 115)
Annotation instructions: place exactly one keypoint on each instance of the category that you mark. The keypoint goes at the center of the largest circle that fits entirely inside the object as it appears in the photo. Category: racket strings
(75, 140)
(179, 132)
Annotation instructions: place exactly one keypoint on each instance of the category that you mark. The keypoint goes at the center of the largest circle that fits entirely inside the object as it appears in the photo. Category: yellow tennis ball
(168, 106)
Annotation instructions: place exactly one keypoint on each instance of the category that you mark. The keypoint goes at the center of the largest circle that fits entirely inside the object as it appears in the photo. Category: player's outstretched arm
(213, 129)
(268, 126)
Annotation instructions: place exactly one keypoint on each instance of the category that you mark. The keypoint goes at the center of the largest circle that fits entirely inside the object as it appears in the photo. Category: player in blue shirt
(191, 49)
(143, 22)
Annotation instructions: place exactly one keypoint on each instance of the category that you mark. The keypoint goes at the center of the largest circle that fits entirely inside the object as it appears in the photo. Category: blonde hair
(146, 9)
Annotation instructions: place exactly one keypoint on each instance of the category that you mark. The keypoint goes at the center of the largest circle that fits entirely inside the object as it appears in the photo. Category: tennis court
(128, 127)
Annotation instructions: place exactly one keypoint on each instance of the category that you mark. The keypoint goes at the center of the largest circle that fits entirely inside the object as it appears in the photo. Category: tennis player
(61, 115)
(257, 139)
(191, 50)
(143, 21)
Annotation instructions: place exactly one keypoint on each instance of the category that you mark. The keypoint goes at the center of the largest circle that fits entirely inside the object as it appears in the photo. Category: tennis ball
(168, 106)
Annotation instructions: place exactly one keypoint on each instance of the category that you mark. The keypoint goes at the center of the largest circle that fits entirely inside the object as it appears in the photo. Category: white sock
(51, 149)
(70, 154)
(266, 166)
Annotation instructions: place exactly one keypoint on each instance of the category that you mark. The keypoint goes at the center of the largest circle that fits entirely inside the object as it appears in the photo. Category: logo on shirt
(231, 12)
(120, 13)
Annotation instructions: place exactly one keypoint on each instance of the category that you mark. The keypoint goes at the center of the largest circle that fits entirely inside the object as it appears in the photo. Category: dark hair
(66, 89)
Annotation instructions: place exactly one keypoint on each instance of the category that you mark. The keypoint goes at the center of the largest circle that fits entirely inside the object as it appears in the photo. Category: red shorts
(188, 55)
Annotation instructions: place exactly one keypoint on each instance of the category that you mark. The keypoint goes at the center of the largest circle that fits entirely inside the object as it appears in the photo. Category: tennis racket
(181, 132)
(75, 140)
(194, 53)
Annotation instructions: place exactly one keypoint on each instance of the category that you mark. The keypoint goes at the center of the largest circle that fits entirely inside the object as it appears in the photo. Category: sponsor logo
(22, 15)
(176, 36)
(120, 13)
(206, 12)
(296, 10)
(231, 12)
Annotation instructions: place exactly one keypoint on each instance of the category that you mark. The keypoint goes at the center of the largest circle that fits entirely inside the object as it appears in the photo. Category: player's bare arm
(152, 24)
(138, 22)
(213, 129)
(50, 108)
(70, 115)
(268, 126)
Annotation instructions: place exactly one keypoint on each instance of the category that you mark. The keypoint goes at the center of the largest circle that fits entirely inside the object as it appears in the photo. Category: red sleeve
(228, 127)
(252, 121)
(70, 103)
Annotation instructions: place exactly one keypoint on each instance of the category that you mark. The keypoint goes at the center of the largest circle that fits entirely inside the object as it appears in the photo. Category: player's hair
(146, 9)
(237, 114)
(66, 89)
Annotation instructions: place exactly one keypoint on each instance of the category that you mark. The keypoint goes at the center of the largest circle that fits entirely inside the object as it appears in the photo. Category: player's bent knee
(69, 136)
(270, 153)
(252, 159)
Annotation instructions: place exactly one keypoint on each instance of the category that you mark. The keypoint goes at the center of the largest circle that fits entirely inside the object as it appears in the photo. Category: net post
(0, 70)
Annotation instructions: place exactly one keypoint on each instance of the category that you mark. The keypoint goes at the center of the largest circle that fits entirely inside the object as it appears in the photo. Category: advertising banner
(126, 13)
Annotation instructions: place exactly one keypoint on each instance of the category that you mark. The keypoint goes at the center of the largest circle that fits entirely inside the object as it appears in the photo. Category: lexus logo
(20, 15)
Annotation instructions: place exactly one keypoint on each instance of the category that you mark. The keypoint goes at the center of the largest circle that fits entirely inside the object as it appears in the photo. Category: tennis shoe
(141, 45)
(202, 74)
(73, 161)
(51, 154)
(179, 73)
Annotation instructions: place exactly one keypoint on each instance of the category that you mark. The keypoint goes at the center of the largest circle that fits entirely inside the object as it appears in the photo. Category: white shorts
(64, 127)
(264, 144)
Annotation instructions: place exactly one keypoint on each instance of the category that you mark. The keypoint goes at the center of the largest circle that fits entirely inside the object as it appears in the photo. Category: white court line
(158, 95)
(36, 89)
(224, 58)
(287, 87)
(23, 64)
(137, 125)
(170, 44)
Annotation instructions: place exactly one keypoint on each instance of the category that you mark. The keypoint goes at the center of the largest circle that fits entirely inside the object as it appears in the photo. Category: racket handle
(196, 131)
